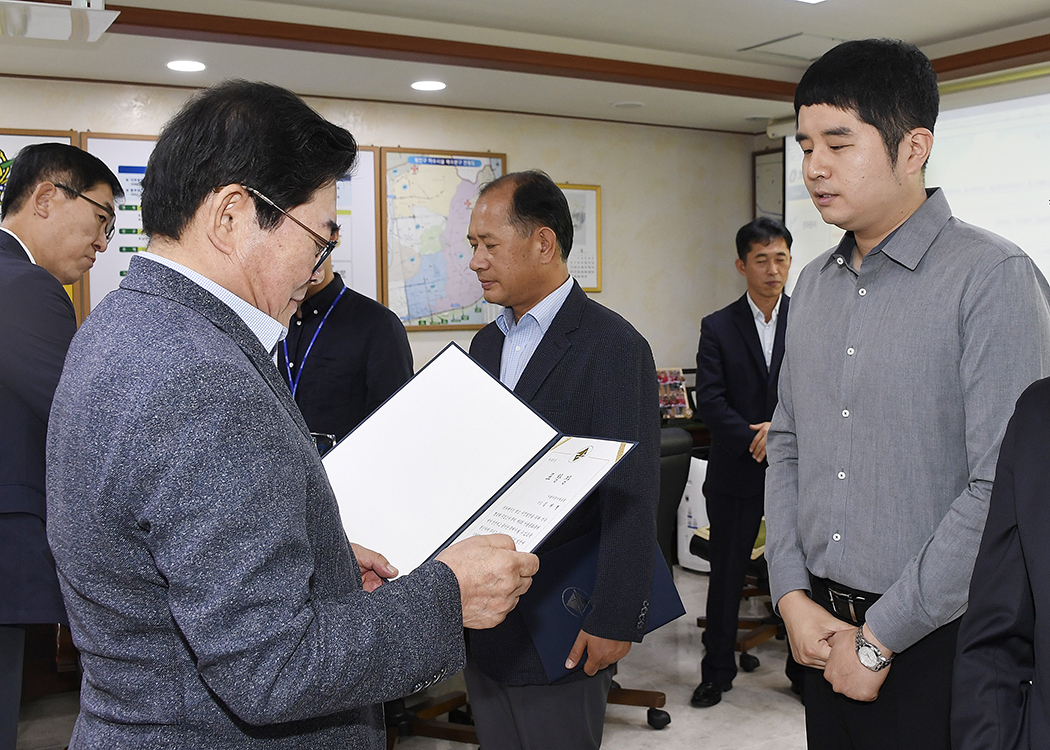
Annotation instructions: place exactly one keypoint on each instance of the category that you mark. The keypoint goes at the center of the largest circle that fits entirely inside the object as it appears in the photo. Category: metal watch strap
(881, 662)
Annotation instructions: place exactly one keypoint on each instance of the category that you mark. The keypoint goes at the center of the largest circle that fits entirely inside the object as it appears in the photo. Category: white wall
(672, 199)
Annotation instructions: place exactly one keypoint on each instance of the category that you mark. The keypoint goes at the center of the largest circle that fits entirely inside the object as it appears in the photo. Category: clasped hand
(821, 640)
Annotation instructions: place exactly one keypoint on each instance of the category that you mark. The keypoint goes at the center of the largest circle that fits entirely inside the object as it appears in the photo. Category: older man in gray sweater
(210, 586)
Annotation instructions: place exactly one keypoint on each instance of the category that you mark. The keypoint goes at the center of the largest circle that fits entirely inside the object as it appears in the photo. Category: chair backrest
(676, 447)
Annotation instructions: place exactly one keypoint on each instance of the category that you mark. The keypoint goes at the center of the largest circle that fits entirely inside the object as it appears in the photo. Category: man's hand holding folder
(491, 575)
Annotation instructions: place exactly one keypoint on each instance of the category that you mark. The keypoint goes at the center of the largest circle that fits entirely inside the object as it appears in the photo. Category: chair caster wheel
(749, 663)
(657, 718)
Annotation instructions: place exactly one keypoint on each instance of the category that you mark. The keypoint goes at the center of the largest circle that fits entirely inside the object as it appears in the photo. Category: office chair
(757, 630)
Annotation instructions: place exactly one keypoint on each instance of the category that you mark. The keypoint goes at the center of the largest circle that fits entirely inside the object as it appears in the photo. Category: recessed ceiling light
(628, 105)
(811, 2)
(428, 85)
(186, 66)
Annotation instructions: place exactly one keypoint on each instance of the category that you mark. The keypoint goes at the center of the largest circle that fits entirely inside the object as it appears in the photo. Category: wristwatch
(869, 653)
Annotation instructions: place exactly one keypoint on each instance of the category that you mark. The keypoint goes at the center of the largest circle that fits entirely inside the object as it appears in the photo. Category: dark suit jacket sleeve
(731, 430)
(228, 535)
(38, 323)
(996, 658)
(627, 408)
(389, 361)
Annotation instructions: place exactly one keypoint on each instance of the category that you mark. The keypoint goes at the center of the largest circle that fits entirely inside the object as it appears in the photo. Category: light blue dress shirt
(522, 337)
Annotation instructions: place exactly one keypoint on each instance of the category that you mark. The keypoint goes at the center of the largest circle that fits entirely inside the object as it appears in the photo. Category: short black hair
(887, 83)
(761, 231)
(55, 163)
(244, 133)
(537, 202)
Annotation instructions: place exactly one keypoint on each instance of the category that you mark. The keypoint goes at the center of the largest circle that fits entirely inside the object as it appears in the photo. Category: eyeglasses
(324, 247)
(110, 224)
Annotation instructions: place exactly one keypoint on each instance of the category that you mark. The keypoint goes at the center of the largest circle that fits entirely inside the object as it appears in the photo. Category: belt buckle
(836, 596)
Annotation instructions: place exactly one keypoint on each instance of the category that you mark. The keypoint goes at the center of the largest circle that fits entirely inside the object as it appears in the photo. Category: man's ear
(915, 149)
(740, 267)
(548, 245)
(43, 198)
(229, 212)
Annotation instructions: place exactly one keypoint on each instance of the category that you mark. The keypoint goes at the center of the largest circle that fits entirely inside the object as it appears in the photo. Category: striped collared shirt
(522, 338)
(265, 328)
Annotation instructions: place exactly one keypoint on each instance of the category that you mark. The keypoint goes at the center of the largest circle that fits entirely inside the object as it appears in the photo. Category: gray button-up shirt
(896, 387)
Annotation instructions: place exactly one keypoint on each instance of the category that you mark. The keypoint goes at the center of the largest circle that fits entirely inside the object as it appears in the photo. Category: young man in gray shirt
(908, 344)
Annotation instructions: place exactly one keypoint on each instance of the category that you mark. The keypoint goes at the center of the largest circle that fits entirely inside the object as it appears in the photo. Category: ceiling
(689, 63)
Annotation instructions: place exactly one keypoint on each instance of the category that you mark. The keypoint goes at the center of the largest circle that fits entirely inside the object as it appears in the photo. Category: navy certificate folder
(559, 598)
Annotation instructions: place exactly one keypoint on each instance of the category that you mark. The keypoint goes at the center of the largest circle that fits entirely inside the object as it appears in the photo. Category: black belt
(842, 601)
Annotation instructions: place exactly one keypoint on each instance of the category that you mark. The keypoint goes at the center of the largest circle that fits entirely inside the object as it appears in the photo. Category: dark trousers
(734, 526)
(12, 643)
(913, 707)
(569, 716)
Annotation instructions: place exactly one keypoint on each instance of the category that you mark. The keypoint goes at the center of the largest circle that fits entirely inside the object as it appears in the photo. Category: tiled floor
(760, 713)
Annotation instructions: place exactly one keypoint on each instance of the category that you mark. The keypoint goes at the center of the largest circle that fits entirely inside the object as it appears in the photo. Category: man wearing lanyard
(345, 354)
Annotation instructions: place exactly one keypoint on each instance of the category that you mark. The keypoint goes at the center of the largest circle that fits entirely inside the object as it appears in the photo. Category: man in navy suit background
(737, 366)
(588, 372)
(57, 213)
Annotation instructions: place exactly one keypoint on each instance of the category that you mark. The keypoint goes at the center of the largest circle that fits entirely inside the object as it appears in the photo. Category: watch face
(867, 657)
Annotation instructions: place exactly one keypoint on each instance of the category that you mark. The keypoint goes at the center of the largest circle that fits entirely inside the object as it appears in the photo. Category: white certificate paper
(412, 475)
(548, 491)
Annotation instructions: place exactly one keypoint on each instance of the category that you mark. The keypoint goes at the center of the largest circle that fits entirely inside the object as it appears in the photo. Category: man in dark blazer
(737, 365)
(1000, 696)
(589, 372)
(57, 213)
(211, 589)
(345, 354)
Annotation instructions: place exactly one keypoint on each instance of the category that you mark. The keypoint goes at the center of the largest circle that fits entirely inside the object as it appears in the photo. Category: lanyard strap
(293, 383)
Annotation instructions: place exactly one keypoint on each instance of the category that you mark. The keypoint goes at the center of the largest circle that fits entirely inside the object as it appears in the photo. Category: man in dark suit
(345, 354)
(212, 592)
(1000, 696)
(737, 365)
(57, 213)
(589, 372)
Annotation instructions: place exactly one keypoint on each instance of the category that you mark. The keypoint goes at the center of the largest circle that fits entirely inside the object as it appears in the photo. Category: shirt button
(842, 475)
(837, 537)
(862, 291)
(517, 348)
(850, 351)
(845, 412)
(839, 260)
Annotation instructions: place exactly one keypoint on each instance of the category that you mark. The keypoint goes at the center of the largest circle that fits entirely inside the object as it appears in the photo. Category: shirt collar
(761, 316)
(268, 330)
(908, 243)
(19, 240)
(543, 312)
